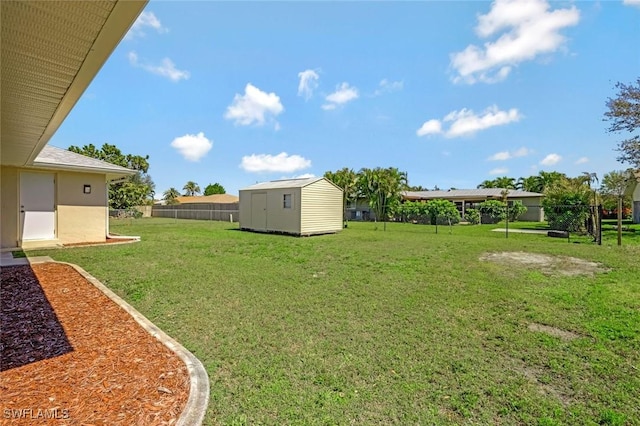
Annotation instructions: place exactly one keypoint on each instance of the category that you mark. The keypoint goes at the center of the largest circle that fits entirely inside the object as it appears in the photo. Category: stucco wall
(9, 190)
(534, 211)
(81, 217)
(636, 204)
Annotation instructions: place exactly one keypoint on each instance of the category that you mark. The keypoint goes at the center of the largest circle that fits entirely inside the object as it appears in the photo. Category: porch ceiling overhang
(51, 50)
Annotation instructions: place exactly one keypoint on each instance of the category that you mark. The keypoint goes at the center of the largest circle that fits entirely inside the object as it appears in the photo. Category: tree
(615, 183)
(382, 188)
(191, 188)
(530, 184)
(346, 179)
(135, 190)
(487, 184)
(624, 115)
(505, 182)
(566, 204)
(170, 196)
(493, 211)
(214, 188)
(442, 211)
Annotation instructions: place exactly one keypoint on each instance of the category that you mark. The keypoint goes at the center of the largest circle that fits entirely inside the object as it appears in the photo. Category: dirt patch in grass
(542, 380)
(545, 263)
(554, 331)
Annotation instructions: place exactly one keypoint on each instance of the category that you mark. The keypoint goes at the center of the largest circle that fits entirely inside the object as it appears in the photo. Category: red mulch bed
(70, 355)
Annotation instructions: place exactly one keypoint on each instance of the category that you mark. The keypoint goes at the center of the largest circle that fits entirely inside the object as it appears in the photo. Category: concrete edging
(196, 407)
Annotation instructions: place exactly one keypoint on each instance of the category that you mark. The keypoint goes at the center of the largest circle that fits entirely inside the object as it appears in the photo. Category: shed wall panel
(280, 219)
(321, 208)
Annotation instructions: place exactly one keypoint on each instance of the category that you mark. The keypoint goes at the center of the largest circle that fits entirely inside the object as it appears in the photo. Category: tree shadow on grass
(30, 330)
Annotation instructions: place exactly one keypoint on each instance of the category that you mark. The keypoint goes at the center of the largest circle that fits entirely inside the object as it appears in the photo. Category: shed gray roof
(52, 157)
(284, 183)
(469, 193)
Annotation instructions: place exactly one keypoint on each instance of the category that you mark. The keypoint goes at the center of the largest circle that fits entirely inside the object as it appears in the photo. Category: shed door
(37, 206)
(259, 211)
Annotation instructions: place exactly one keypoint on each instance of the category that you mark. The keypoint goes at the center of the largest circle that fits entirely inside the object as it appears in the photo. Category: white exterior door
(259, 211)
(37, 206)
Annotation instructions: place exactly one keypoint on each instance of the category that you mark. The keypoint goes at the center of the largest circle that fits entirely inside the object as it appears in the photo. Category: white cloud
(500, 156)
(255, 106)
(192, 147)
(551, 160)
(166, 69)
(635, 3)
(308, 83)
(506, 155)
(145, 20)
(466, 122)
(582, 160)
(524, 30)
(282, 162)
(499, 171)
(386, 86)
(431, 127)
(343, 94)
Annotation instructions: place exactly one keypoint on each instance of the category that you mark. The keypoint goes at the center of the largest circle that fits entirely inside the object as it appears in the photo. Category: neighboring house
(470, 198)
(207, 207)
(216, 198)
(50, 53)
(293, 206)
(635, 198)
(463, 198)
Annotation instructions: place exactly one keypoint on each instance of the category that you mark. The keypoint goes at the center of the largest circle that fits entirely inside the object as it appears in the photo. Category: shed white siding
(295, 206)
(321, 208)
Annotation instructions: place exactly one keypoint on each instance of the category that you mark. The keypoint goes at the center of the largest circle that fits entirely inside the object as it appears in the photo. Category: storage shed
(293, 206)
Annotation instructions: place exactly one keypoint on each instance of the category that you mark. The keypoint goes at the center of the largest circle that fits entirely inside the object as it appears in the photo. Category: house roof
(216, 198)
(459, 194)
(61, 159)
(50, 53)
(285, 183)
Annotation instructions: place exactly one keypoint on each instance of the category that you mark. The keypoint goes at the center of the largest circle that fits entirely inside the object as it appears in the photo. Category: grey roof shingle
(284, 183)
(53, 157)
(469, 193)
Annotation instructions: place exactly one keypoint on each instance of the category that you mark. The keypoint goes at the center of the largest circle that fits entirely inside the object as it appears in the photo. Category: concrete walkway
(522, 231)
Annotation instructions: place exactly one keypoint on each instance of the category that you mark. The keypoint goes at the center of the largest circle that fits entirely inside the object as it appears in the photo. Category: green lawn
(399, 327)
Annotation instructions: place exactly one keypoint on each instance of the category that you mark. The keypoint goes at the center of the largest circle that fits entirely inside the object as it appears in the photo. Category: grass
(398, 327)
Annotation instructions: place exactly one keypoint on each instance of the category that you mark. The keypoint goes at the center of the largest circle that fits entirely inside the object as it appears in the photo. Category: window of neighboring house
(286, 201)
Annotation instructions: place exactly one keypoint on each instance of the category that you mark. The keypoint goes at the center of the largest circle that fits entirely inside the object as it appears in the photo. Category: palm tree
(170, 196)
(530, 184)
(191, 188)
(505, 183)
(487, 184)
(382, 188)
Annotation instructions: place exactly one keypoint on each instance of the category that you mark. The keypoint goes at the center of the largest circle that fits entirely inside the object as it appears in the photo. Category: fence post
(600, 224)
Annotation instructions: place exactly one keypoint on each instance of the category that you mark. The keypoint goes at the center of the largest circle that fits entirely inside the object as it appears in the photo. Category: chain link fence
(576, 219)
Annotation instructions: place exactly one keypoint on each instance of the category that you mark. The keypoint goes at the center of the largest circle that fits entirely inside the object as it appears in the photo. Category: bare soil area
(546, 264)
(71, 356)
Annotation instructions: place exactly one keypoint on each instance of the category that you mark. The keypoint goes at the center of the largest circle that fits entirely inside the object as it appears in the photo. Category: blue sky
(453, 93)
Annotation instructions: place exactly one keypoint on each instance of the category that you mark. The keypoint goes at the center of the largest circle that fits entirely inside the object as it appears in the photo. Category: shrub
(516, 210)
(442, 212)
(472, 216)
(493, 211)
